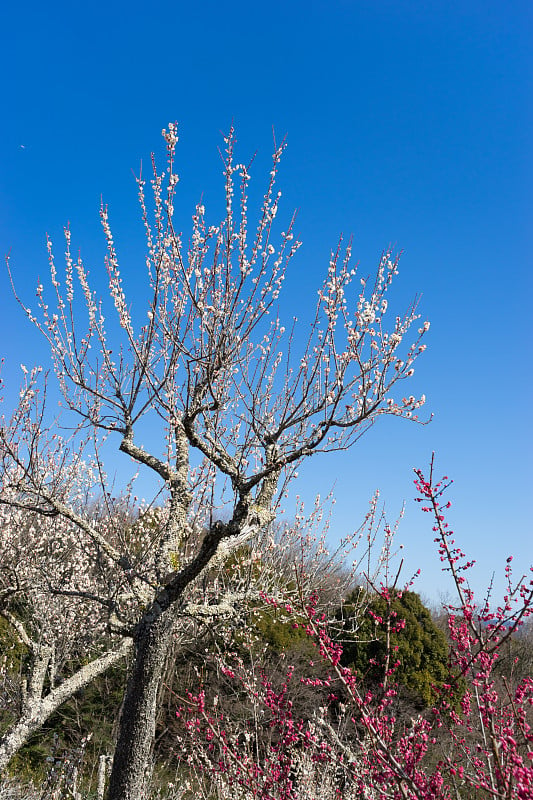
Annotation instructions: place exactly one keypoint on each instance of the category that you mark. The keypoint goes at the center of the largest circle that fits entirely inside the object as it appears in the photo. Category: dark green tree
(395, 641)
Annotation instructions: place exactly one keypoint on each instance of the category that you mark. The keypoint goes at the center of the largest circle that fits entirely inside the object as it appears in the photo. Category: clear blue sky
(407, 122)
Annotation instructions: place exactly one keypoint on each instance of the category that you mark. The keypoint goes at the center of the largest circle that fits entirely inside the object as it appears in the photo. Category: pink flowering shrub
(491, 735)
(476, 741)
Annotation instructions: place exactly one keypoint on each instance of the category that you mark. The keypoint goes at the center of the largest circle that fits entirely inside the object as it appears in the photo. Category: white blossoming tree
(238, 399)
(48, 585)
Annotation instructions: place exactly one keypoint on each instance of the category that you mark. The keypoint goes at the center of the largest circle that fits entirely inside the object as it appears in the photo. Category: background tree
(237, 399)
(55, 632)
(397, 633)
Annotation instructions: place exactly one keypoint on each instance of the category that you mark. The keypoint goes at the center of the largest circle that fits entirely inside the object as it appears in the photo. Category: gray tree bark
(133, 759)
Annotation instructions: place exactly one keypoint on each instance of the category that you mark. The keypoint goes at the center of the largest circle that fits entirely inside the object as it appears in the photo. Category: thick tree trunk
(132, 762)
(38, 709)
(133, 759)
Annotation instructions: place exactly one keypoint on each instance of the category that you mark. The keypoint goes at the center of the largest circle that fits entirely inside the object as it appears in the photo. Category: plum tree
(229, 395)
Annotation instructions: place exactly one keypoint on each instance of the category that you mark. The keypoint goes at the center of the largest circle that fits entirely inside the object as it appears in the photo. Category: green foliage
(417, 644)
(13, 655)
(11, 648)
(280, 632)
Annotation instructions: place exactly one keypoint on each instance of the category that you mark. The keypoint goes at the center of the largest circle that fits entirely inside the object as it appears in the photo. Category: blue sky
(407, 123)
